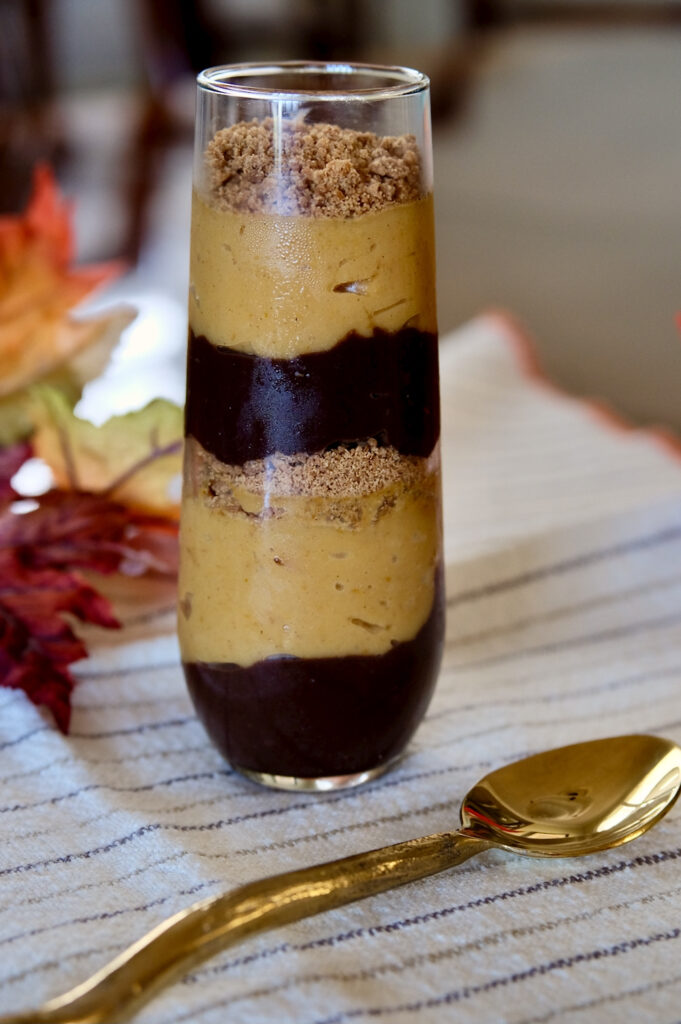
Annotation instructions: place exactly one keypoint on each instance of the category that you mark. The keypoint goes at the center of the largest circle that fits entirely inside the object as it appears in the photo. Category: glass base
(322, 784)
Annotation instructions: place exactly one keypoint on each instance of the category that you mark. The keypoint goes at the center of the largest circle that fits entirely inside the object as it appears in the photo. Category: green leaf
(134, 459)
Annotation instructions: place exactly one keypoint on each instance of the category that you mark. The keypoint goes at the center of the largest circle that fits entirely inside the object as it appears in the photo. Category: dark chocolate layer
(314, 717)
(242, 407)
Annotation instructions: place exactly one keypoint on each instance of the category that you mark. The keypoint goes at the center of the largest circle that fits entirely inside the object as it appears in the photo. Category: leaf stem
(67, 453)
(156, 453)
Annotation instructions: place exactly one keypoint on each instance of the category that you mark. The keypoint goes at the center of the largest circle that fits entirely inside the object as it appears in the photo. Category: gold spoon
(563, 803)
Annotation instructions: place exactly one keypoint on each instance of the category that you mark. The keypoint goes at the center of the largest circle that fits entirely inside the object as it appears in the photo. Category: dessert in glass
(311, 609)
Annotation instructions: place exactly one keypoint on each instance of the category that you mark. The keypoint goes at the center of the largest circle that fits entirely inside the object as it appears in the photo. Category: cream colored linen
(564, 623)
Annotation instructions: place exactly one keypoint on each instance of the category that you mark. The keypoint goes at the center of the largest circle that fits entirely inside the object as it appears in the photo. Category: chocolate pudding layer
(384, 386)
(310, 616)
(329, 716)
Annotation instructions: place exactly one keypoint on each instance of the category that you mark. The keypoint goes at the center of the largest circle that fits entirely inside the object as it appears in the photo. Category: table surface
(564, 623)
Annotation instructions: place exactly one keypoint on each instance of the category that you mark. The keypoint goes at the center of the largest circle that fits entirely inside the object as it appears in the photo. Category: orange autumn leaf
(38, 288)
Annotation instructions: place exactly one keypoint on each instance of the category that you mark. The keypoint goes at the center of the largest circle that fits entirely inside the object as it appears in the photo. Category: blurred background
(557, 137)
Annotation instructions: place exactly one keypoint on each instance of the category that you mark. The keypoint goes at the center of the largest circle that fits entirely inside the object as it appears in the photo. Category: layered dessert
(311, 611)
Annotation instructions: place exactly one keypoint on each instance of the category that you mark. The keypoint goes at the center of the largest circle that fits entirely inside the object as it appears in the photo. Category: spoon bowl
(569, 801)
(575, 800)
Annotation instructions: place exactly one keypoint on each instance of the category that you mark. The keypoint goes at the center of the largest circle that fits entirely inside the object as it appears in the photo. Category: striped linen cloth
(564, 623)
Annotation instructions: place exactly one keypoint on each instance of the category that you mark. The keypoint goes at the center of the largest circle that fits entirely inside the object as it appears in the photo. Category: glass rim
(231, 80)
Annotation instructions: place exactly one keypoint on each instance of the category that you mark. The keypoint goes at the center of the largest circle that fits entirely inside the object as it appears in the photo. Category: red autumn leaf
(41, 555)
(12, 459)
(36, 643)
(78, 530)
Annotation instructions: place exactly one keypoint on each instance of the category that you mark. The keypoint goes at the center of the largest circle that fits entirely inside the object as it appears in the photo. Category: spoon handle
(181, 942)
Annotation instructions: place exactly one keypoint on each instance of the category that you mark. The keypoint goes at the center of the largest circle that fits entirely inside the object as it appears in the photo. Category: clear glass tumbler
(311, 584)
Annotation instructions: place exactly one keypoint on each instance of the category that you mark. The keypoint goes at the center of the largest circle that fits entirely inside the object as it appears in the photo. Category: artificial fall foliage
(43, 553)
(12, 459)
(40, 339)
(135, 458)
(111, 509)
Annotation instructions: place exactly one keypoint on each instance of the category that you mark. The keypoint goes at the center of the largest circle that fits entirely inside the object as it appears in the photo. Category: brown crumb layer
(328, 171)
(364, 469)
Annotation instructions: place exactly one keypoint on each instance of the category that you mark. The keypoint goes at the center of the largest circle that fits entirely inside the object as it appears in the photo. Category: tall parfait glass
(311, 584)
